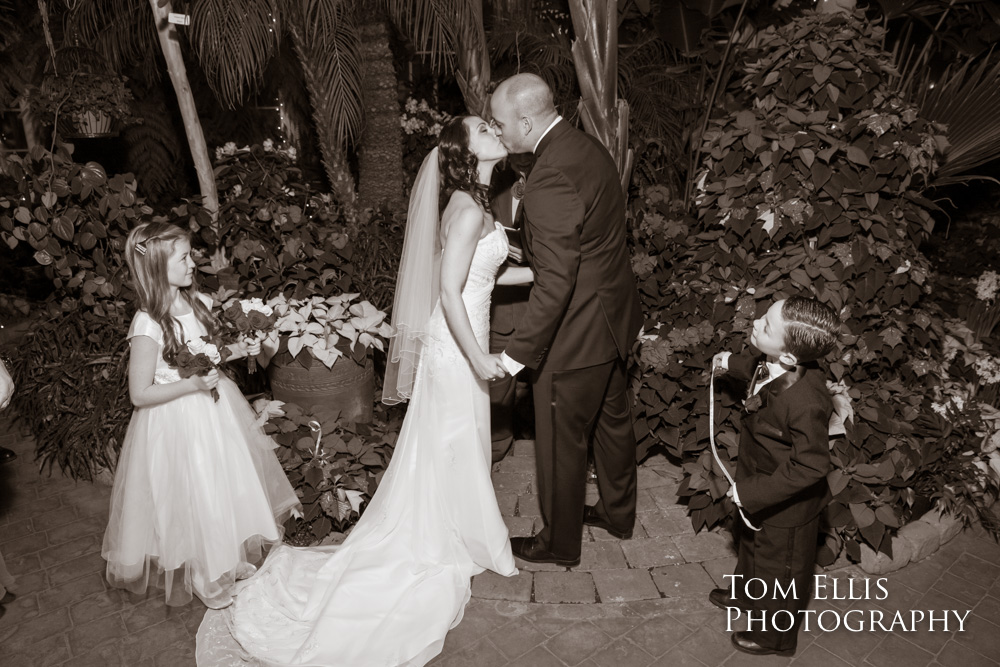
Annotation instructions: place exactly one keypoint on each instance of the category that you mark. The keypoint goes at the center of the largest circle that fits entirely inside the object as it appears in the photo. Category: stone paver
(635, 603)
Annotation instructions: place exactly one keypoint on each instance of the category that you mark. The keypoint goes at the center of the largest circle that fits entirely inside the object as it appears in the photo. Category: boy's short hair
(811, 328)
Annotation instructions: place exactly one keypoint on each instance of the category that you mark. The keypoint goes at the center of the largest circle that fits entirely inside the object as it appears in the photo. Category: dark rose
(233, 313)
(242, 323)
(259, 320)
(189, 364)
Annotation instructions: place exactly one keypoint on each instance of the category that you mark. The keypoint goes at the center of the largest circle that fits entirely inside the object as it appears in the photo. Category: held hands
(206, 382)
(489, 367)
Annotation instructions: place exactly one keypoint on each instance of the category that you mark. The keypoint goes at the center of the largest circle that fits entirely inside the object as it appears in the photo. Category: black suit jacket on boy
(583, 308)
(784, 452)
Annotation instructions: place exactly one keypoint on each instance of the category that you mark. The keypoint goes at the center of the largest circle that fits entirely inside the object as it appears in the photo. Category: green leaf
(821, 73)
(745, 119)
(62, 228)
(863, 515)
(808, 156)
(857, 156)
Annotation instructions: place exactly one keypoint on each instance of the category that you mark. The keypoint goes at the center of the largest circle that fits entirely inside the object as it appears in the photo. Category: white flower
(246, 305)
(237, 190)
(268, 145)
(200, 346)
(988, 369)
(987, 286)
(291, 153)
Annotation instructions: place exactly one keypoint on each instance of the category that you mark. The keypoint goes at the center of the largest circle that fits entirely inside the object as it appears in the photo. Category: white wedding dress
(389, 594)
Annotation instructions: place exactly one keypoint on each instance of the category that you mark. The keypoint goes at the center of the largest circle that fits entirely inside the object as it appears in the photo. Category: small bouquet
(199, 357)
(253, 320)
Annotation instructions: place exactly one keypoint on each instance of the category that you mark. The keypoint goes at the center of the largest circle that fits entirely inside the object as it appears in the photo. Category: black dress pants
(777, 556)
(573, 408)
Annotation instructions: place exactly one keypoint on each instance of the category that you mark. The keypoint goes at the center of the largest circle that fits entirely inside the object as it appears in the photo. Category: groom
(582, 317)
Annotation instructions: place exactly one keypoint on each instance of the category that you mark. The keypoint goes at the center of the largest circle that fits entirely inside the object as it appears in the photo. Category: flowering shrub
(421, 126)
(273, 234)
(810, 185)
(984, 313)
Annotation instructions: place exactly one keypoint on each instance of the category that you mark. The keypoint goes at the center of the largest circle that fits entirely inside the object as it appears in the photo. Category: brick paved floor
(634, 603)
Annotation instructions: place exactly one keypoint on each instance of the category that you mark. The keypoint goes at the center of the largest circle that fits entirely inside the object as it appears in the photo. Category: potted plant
(334, 464)
(322, 349)
(83, 103)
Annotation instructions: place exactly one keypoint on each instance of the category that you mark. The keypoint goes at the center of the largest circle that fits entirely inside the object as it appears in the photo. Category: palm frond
(537, 51)
(967, 101)
(234, 40)
(331, 64)
(153, 149)
(123, 31)
(434, 25)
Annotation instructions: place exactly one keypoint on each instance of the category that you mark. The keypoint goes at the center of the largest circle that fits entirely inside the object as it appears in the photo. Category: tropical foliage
(811, 184)
(335, 465)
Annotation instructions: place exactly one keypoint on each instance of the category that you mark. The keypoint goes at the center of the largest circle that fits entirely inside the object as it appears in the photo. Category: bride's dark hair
(459, 165)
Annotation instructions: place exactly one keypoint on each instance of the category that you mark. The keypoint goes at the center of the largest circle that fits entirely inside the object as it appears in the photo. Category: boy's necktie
(760, 376)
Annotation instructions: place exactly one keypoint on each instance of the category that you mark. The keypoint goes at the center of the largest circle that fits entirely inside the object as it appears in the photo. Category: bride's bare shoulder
(459, 201)
(463, 210)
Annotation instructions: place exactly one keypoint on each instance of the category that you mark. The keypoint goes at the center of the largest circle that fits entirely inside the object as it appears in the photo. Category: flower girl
(198, 490)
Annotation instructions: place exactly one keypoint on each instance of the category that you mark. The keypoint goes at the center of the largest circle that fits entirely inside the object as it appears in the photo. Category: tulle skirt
(389, 594)
(198, 495)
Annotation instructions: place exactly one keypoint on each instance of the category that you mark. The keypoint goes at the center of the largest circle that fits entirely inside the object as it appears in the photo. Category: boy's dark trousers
(776, 555)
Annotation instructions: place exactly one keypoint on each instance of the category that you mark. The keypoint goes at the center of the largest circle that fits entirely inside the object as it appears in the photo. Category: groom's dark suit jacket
(583, 308)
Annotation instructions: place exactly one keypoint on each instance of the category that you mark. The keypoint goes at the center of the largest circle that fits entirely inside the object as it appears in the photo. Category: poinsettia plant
(327, 328)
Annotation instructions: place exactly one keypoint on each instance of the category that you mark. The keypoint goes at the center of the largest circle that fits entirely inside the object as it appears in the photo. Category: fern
(153, 150)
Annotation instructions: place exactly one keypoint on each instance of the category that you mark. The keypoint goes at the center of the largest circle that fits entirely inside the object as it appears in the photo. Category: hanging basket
(89, 125)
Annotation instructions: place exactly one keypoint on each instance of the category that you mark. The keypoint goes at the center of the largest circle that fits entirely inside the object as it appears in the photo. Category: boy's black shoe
(742, 642)
(590, 518)
(722, 599)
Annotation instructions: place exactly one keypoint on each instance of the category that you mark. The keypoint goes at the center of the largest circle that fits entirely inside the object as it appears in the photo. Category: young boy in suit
(784, 458)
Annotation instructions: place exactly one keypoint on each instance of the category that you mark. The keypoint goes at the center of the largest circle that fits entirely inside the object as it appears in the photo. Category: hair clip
(141, 249)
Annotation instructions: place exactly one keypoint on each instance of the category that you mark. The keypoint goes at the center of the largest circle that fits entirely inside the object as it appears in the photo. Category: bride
(389, 594)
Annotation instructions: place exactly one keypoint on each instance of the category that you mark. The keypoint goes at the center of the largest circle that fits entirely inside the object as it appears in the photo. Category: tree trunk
(170, 44)
(381, 155)
(28, 124)
(595, 55)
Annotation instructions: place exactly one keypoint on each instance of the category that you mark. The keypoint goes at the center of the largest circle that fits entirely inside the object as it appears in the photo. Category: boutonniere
(754, 403)
(518, 189)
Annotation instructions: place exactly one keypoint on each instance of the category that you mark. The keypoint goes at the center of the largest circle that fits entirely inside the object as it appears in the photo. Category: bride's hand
(489, 367)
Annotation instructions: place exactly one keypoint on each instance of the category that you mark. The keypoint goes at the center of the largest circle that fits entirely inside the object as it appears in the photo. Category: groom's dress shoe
(742, 642)
(590, 518)
(531, 550)
(722, 599)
